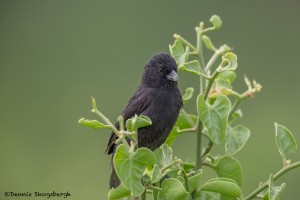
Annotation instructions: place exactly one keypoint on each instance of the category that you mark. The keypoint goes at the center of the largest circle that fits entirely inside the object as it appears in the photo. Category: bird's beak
(172, 76)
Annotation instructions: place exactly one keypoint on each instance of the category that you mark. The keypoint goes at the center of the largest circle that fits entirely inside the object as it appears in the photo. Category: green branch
(193, 129)
(105, 119)
(199, 31)
(186, 180)
(281, 172)
(209, 29)
(170, 165)
(184, 41)
(210, 82)
(188, 118)
(213, 59)
(207, 149)
(198, 145)
(152, 187)
(108, 122)
(235, 106)
(143, 196)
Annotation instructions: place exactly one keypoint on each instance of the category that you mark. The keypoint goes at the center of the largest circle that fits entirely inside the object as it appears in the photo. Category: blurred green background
(55, 55)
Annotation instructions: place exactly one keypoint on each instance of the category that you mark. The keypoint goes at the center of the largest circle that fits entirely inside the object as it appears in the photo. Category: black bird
(157, 97)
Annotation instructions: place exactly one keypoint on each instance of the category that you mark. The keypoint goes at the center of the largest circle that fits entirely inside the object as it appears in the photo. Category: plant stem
(143, 196)
(208, 165)
(170, 165)
(184, 41)
(188, 118)
(213, 59)
(190, 121)
(234, 107)
(210, 82)
(97, 112)
(193, 129)
(281, 172)
(208, 29)
(199, 31)
(198, 145)
(108, 122)
(201, 84)
(199, 44)
(153, 187)
(186, 180)
(199, 156)
(121, 122)
(208, 148)
(199, 131)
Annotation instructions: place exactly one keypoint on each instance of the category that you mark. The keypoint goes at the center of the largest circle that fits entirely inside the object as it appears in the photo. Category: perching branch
(281, 172)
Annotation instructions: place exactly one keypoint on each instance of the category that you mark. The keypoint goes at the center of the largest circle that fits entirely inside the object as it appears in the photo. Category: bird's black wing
(137, 104)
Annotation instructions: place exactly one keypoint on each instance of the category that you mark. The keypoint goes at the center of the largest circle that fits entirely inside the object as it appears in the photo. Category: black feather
(157, 97)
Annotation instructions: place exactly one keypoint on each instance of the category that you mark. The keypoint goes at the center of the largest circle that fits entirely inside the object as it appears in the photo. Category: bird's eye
(161, 69)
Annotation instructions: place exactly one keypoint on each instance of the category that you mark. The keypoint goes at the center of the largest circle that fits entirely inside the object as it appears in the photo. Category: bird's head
(160, 71)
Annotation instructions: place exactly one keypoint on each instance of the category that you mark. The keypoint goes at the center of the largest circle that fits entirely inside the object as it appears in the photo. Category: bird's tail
(114, 181)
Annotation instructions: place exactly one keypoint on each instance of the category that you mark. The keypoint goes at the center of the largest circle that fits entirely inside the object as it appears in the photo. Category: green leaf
(232, 60)
(274, 191)
(285, 141)
(164, 155)
(119, 192)
(222, 84)
(188, 166)
(221, 87)
(236, 139)
(224, 197)
(229, 167)
(172, 136)
(130, 166)
(138, 122)
(214, 117)
(194, 181)
(188, 94)
(237, 113)
(216, 21)
(180, 178)
(178, 52)
(184, 122)
(172, 189)
(263, 194)
(92, 123)
(224, 186)
(181, 123)
(155, 194)
(173, 172)
(192, 67)
(224, 48)
(208, 43)
(227, 75)
(202, 195)
(156, 174)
